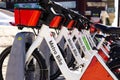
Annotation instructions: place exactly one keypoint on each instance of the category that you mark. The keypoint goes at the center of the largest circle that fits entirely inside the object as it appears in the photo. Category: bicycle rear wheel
(37, 71)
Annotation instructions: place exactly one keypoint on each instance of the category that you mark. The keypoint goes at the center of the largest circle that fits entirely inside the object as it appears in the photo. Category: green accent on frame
(86, 43)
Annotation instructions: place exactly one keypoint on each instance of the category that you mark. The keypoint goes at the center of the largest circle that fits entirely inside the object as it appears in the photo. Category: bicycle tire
(52, 77)
(39, 58)
(114, 66)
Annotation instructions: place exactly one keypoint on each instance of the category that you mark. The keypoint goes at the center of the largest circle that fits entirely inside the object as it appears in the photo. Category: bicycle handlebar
(52, 9)
(47, 4)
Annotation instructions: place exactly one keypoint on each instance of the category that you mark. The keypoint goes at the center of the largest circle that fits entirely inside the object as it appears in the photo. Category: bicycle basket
(56, 21)
(27, 16)
(71, 24)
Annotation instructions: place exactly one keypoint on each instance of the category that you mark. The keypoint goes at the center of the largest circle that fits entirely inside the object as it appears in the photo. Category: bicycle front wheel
(114, 66)
(37, 71)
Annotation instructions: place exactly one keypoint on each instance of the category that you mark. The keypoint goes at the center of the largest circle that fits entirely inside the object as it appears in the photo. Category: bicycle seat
(108, 30)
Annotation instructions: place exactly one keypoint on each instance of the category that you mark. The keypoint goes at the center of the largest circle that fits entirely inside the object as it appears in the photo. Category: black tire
(39, 58)
(54, 74)
(114, 66)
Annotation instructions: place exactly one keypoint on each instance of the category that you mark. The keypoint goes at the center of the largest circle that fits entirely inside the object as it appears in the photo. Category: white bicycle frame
(65, 33)
(86, 34)
(68, 74)
(80, 41)
(100, 44)
(84, 43)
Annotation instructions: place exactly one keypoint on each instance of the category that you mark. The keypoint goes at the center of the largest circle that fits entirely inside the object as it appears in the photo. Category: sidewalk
(9, 13)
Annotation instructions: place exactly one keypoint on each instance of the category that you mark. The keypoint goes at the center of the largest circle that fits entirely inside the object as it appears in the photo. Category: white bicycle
(93, 64)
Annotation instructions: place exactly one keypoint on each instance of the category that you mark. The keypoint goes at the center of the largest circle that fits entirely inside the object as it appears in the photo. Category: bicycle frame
(65, 33)
(67, 73)
(86, 42)
(78, 36)
(102, 52)
(90, 43)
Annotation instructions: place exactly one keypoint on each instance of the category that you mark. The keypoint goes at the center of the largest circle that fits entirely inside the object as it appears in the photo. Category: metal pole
(115, 22)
